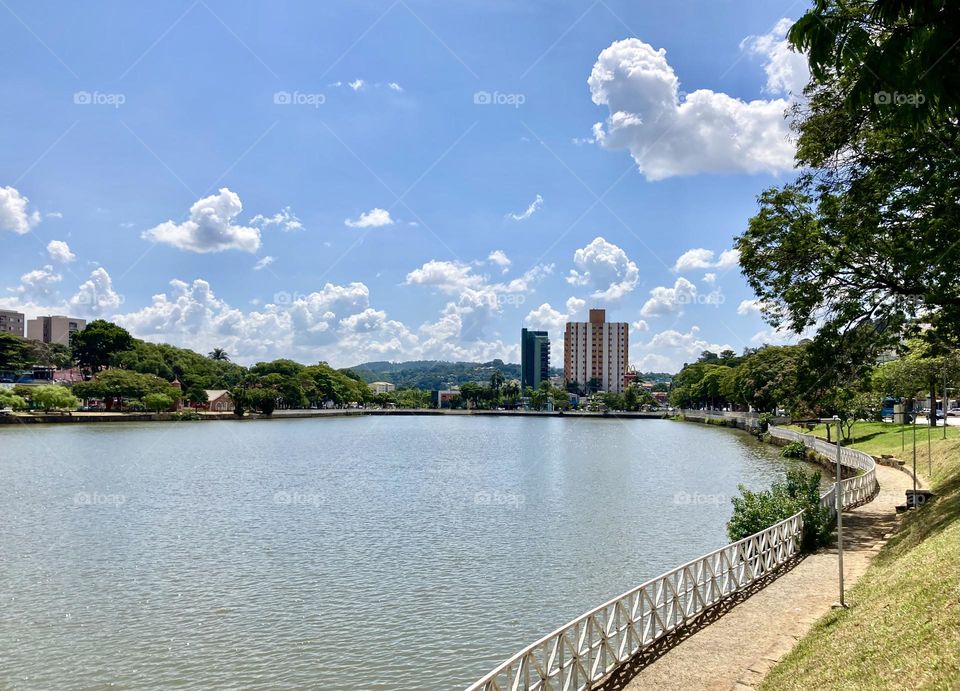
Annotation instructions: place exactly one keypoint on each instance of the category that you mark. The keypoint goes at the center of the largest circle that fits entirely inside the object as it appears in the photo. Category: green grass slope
(902, 630)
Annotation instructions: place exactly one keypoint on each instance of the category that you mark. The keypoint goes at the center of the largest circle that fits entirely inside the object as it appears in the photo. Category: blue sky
(391, 180)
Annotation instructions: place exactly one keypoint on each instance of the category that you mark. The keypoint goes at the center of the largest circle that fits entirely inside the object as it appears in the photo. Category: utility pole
(838, 494)
(914, 456)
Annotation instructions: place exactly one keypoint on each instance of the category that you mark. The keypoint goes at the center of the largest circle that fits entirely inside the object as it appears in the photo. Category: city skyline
(385, 184)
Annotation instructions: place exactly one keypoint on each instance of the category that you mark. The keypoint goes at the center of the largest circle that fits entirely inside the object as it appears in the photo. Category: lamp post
(838, 495)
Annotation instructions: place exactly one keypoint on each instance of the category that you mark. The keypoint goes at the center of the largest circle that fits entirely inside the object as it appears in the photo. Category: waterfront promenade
(736, 650)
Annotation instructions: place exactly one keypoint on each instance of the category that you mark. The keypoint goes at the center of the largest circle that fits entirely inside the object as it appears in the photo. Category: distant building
(596, 351)
(444, 397)
(55, 329)
(534, 358)
(219, 400)
(381, 387)
(12, 322)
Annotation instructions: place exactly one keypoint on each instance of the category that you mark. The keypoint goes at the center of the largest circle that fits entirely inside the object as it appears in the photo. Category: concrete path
(736, 651)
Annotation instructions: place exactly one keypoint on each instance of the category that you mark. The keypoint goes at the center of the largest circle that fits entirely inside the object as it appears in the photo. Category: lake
(377, 552)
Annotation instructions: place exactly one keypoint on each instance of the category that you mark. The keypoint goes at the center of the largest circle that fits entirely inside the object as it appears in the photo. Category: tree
(866, 237)
(218, 354)
(157, 402)
(14, 352)
(94, 347)
(885, 48)
(54, 397)
(496, 380)
(8, 399)
(115, 385)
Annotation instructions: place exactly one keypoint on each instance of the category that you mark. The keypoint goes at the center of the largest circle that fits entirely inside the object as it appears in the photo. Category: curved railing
(593, 645)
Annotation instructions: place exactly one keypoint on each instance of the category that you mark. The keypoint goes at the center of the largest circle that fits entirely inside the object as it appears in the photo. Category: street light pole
(838, 493)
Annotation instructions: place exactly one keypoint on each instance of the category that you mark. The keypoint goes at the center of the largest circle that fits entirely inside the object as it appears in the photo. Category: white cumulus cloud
(701, 258)
(96, 296)
(606, 267)
(14, 215)
(374, 218)
(59, 251)
(670, 134)
(787, 70)
(500, 258)
(664, 300)
(210, 228)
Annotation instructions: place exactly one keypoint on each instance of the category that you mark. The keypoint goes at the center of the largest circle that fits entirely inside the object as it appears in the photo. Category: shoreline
(87, 418)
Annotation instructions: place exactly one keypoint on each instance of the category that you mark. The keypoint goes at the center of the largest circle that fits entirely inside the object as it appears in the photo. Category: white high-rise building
(596, 350)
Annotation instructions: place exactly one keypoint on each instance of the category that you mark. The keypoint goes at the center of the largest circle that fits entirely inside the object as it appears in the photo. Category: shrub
(135, 406)
(157, 402)
(756, 511)
(795, 449)
(764, 420)
(54, 397)
(187, 415)
(8, 399)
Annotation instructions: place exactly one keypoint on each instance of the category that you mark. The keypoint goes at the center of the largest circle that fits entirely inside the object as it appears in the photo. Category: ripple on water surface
(381, 553)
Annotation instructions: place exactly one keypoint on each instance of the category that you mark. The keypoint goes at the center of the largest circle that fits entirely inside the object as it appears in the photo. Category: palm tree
(496, 380)
(218, 354)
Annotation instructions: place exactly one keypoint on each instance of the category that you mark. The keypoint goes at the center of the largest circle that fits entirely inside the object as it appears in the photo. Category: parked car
(954, 412)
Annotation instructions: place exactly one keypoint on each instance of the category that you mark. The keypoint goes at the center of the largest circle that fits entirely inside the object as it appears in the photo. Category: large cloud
(665, 300)
(59, 251)
(13, 212)
(606, 267)
(705, 131)
(668, 350)
(210, 228)
(96, 296)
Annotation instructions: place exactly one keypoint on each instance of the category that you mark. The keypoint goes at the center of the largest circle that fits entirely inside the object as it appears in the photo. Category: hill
(433, 374)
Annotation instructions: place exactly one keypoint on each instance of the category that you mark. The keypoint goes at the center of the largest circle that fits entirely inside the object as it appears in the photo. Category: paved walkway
(736, 651)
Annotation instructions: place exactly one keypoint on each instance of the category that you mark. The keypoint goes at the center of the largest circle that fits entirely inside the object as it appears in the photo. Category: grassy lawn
(878, 438)
(903, 626)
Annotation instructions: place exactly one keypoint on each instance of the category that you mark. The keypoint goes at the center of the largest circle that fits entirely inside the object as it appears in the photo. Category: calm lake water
(376, 553)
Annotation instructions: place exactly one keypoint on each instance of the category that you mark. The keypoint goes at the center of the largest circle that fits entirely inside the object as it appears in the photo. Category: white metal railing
(857, 489)
(590, 647)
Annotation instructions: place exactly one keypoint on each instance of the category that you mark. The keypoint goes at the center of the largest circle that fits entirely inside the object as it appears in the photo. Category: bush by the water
(756, 511)
(795, 449)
